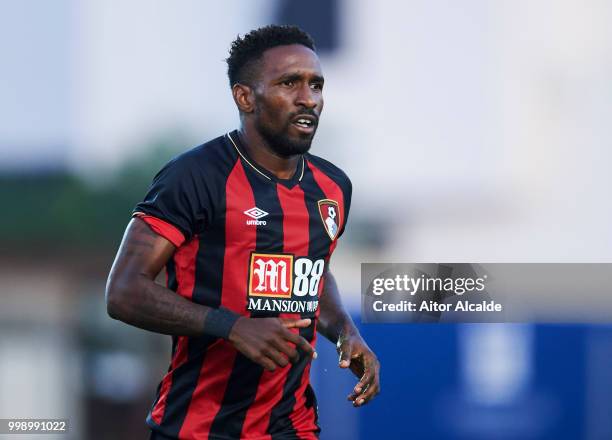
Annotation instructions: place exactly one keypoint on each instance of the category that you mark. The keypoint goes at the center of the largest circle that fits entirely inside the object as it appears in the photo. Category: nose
(306, 97)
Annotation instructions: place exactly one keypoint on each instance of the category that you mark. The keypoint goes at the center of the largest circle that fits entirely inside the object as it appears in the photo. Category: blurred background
(473, 131)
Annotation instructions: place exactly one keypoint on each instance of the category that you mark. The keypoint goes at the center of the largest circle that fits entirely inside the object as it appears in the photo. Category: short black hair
(246, 51)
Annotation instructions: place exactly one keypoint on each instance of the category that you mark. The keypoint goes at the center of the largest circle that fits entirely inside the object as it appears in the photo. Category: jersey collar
(237, 144)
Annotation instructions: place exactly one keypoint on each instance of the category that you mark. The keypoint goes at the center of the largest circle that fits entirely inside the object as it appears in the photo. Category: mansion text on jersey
(282, 305)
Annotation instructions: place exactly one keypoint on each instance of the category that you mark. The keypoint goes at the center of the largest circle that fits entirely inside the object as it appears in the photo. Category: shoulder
(211, 159)
(205, 157)
(331, 170)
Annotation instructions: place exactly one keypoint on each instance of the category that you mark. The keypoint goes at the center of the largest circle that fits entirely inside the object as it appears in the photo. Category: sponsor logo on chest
(283, 283)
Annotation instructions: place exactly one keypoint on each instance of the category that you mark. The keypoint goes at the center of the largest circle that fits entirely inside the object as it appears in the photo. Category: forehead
(293, 58)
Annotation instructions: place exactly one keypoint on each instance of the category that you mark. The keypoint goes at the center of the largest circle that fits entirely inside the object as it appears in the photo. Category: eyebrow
(299, 76)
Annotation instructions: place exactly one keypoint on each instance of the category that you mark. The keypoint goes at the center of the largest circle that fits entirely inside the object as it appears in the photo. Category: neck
(259, 150)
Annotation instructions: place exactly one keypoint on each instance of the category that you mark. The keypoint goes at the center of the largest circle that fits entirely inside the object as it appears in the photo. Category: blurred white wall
(36, 113)
(472, 130)
(41, 372)
(149, 67)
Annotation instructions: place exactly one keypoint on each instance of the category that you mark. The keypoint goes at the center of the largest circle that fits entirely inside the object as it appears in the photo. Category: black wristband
(219, 322)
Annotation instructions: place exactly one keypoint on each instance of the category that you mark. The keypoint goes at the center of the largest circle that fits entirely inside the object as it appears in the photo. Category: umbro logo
(255, 213)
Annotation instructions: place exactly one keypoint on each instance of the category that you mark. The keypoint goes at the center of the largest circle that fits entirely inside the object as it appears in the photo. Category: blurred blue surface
(424, 394)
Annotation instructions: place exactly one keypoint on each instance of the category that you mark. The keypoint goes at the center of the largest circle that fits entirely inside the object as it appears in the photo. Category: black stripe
(311, 402)
(172, 285)
(209, 260)
(209, 264)
(159, 436)
(184, 382)
(280, 424)
(171, 273)
(246, 374)
(318, 247)
(207, 290)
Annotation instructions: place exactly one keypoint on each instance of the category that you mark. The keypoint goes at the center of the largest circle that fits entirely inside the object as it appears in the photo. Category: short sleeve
(176, 197)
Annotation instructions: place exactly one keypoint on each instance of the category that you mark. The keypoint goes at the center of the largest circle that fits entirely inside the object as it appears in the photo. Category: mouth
(305, 123)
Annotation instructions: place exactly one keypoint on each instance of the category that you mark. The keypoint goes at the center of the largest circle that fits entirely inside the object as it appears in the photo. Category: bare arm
(334, 320)
(132, 296)
(337, 326)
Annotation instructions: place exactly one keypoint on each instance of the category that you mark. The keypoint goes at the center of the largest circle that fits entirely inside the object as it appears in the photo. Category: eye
(316, 86)
(288, 83)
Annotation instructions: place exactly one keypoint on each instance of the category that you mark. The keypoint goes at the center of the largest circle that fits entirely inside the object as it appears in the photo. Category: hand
(269, 342)
(356, 355)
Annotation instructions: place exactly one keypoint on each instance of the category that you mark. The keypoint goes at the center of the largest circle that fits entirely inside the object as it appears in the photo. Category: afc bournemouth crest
(330, 214)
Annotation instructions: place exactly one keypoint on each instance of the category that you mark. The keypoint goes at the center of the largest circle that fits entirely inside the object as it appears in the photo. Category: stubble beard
(284, 145)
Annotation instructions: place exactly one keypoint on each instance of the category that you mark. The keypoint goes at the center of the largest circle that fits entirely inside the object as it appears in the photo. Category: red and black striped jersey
(259, 246)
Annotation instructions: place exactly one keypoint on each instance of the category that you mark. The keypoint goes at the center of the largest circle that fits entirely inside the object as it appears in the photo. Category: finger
(301, 343)
(370, 392)
(265, 362)
(276, 357)
(296, 323)
(366, 370)
(371, 389)
(287, 350)
(345, 351)
(365, 382)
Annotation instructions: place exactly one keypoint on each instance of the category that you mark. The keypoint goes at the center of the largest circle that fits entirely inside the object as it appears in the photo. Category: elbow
(117, 305)
(113, 307)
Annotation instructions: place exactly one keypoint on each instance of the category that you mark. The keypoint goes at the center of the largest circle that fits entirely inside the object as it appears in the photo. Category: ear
(244, 97)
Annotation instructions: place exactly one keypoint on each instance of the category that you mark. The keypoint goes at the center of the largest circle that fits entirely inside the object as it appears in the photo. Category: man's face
(288, 98)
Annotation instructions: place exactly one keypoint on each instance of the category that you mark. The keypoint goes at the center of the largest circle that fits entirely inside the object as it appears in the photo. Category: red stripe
(295, 241)
(180, 356)
(269, 392)
(163, 228)
(208, 395)
(184, 262)
(217, 367)
(302, 417)
(239, 241)
(296, 228)
(184, 266)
